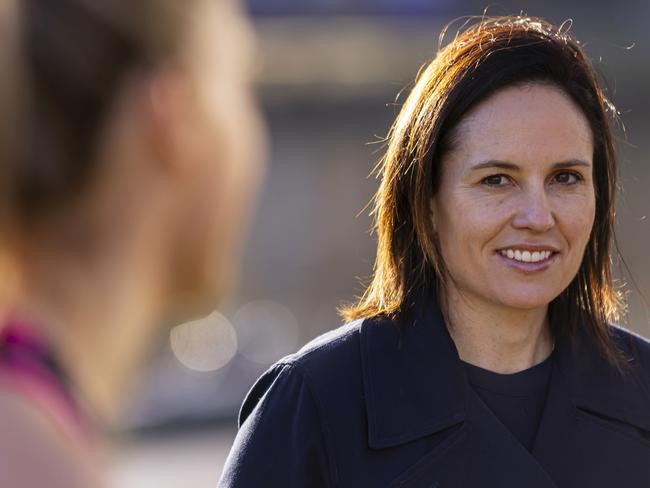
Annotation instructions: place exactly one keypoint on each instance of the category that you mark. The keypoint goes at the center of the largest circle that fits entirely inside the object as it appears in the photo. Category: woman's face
(227, 151)
(516, 202)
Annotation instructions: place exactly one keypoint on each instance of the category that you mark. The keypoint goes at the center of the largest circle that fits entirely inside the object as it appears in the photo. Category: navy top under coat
(516, 399)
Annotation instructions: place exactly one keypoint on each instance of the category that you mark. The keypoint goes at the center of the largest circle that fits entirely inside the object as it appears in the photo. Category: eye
(496, 180)
(567, 178)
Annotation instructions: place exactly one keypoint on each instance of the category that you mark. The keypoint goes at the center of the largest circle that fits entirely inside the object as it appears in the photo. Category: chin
(528, 301)
(212, 292)
(191, 305)
(203, 292)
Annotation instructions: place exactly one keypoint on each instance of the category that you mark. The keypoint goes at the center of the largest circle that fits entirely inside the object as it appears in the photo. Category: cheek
(464, 226)
(576, 219)
(466, 220)
(235, 171)
(241, 165)
(233, 149)
(238, 124)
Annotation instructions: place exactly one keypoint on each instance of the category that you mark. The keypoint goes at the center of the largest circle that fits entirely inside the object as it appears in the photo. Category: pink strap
(26, 368)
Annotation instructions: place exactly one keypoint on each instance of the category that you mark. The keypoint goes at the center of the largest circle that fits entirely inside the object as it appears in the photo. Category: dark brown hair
(491, 54)
(74, 58)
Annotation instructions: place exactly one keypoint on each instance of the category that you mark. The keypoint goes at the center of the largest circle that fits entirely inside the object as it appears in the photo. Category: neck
(98, 309)
(494, 337)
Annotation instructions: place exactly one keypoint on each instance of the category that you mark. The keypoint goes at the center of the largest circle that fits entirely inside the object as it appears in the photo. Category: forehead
(528, 124)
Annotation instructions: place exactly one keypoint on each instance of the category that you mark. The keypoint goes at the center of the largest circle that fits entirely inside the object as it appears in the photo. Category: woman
(481, 354)
(128, 168)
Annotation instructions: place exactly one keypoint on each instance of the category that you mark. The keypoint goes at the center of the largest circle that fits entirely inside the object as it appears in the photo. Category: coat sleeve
(280, 442)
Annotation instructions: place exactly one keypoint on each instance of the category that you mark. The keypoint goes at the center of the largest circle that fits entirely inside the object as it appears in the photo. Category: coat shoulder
(636, 349)
(632, 343)
(297, 403)
(326, 363)
(327, 349)
(331, 365)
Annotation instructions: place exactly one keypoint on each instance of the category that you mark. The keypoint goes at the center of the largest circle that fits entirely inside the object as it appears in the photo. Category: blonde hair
(74, 57)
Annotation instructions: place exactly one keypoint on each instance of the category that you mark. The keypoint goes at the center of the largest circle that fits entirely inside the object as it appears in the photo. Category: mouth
(528, 260)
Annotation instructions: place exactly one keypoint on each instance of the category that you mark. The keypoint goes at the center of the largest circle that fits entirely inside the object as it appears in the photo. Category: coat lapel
(595, 429)
(412, 378)
(483, 453)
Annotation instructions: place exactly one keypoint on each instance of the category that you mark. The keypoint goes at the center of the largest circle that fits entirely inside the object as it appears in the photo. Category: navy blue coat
(372, 404)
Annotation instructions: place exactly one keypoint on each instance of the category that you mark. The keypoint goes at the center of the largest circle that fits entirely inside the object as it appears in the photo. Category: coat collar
(598, 387)
(412, 377)
(414, 384)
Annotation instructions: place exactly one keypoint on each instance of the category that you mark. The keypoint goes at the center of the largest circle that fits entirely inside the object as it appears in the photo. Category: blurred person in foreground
(130, 155)
(483, 352)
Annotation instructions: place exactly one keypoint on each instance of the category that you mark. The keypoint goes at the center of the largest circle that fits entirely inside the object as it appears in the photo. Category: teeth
(525, 256)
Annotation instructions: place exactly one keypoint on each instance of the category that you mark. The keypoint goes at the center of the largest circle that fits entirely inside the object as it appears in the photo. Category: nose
(534, 212)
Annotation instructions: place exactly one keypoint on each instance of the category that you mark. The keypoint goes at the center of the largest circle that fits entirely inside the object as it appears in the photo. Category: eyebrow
(495, 163)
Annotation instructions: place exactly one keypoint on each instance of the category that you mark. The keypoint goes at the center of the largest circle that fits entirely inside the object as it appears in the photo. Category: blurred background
(329, 75)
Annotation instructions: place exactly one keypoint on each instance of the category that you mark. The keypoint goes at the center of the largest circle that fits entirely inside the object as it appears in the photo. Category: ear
(169, 107)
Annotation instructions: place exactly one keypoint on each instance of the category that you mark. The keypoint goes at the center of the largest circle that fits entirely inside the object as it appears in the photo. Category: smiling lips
(527, 256)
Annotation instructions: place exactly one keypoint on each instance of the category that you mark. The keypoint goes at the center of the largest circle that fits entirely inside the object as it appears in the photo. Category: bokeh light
(206, 344)
(266, 331)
